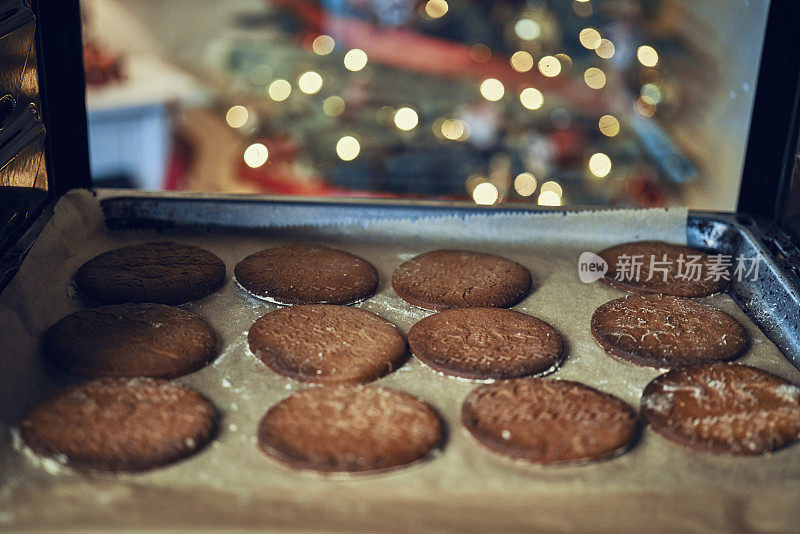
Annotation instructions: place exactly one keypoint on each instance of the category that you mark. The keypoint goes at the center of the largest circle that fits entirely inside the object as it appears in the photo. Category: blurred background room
(617, 103)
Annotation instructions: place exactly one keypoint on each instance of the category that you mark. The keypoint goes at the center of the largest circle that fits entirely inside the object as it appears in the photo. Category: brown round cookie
(119, 424)
(349, 428)
(327, 344)
(444, 279)
(663, 331)
(485, 343)
(131, 340)
(167, 273)
(549, 421)
(298, 273)
(674, 269)
(723, 408)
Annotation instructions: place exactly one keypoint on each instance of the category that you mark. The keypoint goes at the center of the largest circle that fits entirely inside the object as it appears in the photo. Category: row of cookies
(519, 345)
(156, 340)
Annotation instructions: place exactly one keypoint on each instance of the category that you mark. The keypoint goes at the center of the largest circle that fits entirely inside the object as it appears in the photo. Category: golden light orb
(355, 60)
(256, 155)
(406, 119)
(348, 148)
(323, 45)
(310, 82)
(589, 38)
(436, 9)
(609, 125)
(531, 98)
(521, 61)
(485, 194)
(279, 90)
(647, 56)
(492, 89)
(237, 116)
(594, 78)
(549, 66)
(525, 184)
(600, 165)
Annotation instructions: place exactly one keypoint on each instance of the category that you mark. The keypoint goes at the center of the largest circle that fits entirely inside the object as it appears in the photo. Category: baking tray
(655, 485)
(772, 300)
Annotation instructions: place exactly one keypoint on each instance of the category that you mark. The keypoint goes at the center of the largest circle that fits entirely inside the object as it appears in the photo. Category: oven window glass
(620, 103)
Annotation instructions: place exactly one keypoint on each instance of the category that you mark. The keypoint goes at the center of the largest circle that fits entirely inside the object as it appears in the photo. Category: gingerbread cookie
(549, 421)
(298, 273)
(131, 340)
(167, 273)
(350, 429)
(327, 344)
(444, 279)
(659, 267)
(119, 424)
(723, 408)
(485, 343)
(664, 331)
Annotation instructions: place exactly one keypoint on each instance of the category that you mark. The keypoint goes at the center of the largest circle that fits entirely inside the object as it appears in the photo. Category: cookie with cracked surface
(163, 272)
(444, 279)
(119, 424)
(299, 273)
(675, 269)
(723, 408)
(663, 331)
(131, 340)
(349, 429)
(547, 422)
(486, 343)
(327, 344)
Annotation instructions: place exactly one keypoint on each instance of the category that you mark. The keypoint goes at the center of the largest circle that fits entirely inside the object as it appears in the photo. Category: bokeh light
(348, 148)
(589, 38)
(531, 98)
(527, 29)
(480, 53)
(406, 119)
(279, 90)
(600, 165)
(333, 106)
(355, 60)
(525, 184)
(565, 60)
(492, 89)
(647, 56)
(436, 9)
(605, 49)
(594, 78)
(582, 8)
(521, 61)
(549, 66)
(644, 108)
(455, 129)
(609, 125)
(553, 187)
(323, 45)
(651, 93)
(237, 116)
(256, 155)
(485, 194)
(310, 82)
(549, 198)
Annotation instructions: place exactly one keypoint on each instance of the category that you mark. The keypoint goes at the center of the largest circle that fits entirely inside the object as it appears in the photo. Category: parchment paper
(230, 483)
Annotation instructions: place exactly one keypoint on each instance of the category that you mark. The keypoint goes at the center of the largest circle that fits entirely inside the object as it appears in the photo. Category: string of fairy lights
(405, 118)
